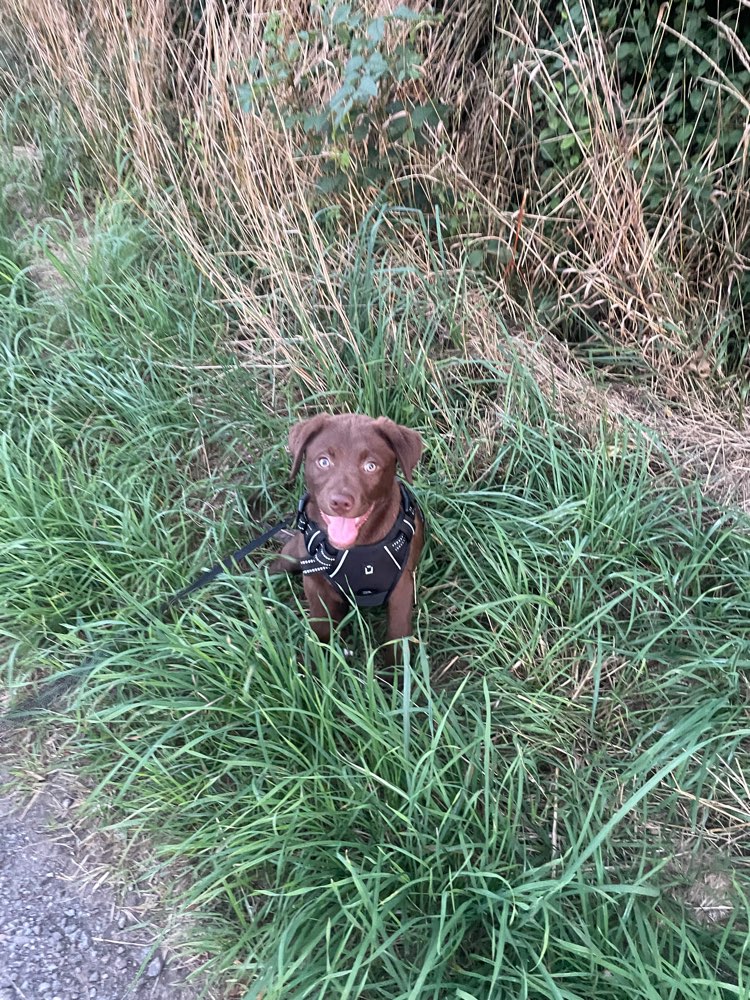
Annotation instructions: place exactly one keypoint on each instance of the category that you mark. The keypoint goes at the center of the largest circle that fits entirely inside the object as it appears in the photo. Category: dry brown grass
(235, 189)
(656, 287)
(701, 441)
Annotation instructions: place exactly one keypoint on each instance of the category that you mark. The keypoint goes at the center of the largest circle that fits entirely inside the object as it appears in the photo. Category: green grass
(551, 800)
(504, 820)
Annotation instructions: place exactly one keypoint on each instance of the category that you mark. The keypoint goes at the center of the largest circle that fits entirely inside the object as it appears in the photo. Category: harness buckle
(301, 522)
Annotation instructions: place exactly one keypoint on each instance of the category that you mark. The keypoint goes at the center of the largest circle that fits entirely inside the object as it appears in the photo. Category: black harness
(365, 574)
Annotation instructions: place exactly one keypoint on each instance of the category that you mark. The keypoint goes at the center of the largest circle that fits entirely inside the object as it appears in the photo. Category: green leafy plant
(637, 112)
(361, 131)
(681, 58)
(677, 57)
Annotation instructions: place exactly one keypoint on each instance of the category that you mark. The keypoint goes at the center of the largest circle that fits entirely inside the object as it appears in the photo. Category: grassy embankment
(553, 799)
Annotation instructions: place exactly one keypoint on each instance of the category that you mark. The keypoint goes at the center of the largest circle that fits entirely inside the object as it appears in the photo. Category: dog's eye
(370, 466)
(324, 462)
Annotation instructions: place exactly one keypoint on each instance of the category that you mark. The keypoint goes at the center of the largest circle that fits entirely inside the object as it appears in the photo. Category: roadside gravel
(61, 938)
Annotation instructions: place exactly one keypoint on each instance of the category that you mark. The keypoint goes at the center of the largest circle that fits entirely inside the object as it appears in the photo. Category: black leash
(60, 685)
(228, 563)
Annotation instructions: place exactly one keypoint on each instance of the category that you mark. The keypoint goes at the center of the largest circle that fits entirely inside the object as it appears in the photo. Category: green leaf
(341, 103)
(292, 119)
(424, 114)
(353, 65)
(361, 129)
(246, 97)
(406, 63)
(315, 121)
(367, 88)
(376, 66)
(375, 173)
(548, 151)
(397, 126)
(342, 14)
(342, 96)
(376, 30)
(343, 35)
(404, 13)
(331, 183)
(697, 98)
(643, 32)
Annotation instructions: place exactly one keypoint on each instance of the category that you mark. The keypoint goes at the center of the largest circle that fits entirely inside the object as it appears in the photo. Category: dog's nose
(341, 503)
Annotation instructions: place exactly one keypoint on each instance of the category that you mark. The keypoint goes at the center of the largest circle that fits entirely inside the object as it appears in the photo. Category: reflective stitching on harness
(341, 563)
(388, 551)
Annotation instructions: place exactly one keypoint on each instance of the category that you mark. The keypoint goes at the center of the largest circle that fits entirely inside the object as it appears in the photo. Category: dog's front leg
(400, 609)
(324, 606)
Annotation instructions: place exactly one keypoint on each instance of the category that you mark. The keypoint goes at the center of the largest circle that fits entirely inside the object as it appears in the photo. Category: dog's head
(350, 466)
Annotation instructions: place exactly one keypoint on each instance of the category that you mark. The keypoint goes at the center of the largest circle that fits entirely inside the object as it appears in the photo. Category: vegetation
(496, 227)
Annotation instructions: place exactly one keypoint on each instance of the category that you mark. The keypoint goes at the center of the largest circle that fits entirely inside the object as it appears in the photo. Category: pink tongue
(342, 530)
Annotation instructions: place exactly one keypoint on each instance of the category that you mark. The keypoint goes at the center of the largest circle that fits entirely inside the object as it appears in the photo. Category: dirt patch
(704, 884)
(42, 271)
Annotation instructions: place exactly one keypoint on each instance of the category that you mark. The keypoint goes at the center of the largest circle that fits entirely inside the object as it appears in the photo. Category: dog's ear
(406, 443)
(300, 436)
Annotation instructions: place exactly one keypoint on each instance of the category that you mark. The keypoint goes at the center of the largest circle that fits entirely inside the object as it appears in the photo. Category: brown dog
(360, 532)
